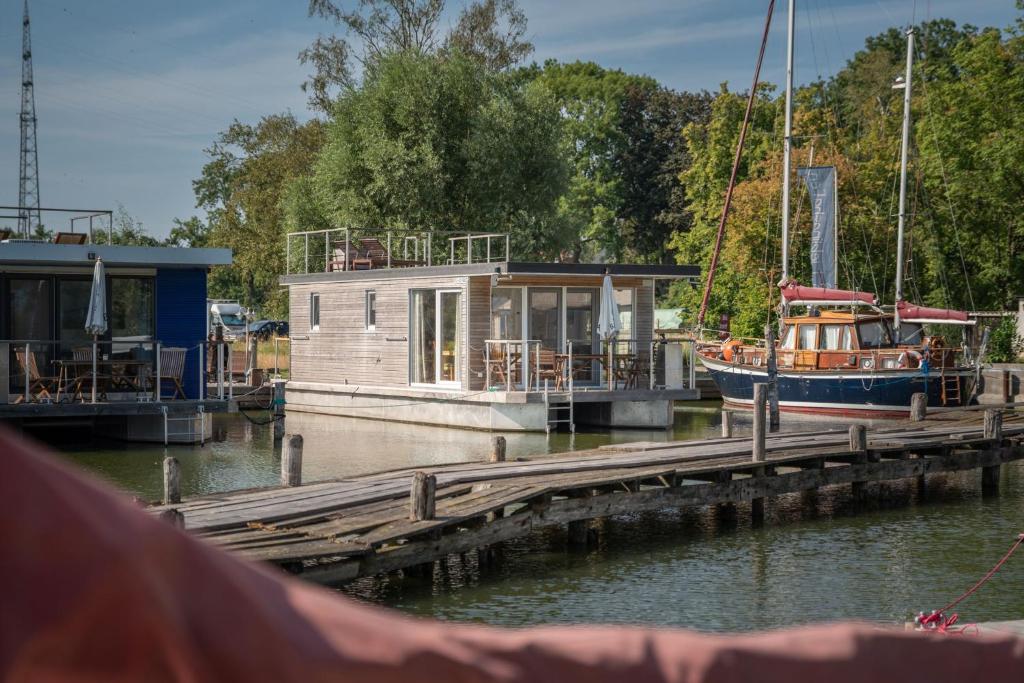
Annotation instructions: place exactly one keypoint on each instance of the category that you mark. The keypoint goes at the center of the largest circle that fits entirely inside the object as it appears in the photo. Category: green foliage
(127, 230)
(1004, 344)
(243, 188)
(432, 143)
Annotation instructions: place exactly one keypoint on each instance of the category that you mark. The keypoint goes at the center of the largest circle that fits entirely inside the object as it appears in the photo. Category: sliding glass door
(434, 332)
(545, 322)
(581, 314)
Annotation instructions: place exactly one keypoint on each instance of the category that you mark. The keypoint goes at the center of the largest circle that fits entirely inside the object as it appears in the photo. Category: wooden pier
(336, 531)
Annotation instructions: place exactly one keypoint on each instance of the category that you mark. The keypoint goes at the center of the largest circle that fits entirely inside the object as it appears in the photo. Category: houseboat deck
(459, 334)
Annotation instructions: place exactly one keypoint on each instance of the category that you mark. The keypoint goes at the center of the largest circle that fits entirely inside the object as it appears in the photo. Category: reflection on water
(243, 455)
(815, 559)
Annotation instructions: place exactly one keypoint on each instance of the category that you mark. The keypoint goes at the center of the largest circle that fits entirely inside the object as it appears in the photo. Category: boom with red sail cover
(798, 295)
(919, 314)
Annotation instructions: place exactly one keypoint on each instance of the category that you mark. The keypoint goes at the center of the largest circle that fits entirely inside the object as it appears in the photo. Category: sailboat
(846, 355)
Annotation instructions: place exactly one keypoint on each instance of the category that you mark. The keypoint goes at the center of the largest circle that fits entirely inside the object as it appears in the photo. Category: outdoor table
(74, 373)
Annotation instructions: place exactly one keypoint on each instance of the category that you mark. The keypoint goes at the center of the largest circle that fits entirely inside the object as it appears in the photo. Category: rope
(937, 620)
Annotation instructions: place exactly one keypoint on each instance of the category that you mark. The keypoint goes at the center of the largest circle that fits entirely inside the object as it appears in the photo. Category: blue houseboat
(144, 378)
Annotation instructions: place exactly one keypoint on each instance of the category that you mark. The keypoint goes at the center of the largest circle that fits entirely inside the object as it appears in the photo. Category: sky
(130, 92)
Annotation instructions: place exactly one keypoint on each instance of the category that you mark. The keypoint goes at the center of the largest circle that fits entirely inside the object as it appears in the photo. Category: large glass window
(831, 337)
(423, 336)
(506, 313)
(581, 314)
(624, 300)
(30, 310)
(546, 317)
(73, 296)
(434, 336)
(449, 341)
(131, 309)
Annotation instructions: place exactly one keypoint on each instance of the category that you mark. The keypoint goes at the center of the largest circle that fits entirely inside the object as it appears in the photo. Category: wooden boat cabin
(839, 340)
(472, 339)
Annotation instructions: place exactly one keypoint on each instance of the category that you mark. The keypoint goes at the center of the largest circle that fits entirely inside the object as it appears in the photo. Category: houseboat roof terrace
(371, 253)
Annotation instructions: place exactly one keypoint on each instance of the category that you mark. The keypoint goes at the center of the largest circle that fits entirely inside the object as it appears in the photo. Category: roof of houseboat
(666, 272)
(39, 253)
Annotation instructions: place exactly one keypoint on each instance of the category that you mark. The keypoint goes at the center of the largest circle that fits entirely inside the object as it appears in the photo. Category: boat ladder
(559, 408)
(950, 389)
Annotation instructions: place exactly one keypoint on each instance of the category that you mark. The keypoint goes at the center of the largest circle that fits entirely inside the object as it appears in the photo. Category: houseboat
(143, 377)
(404, 327)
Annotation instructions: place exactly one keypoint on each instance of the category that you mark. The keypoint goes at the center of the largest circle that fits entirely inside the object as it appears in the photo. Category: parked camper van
(229, 314)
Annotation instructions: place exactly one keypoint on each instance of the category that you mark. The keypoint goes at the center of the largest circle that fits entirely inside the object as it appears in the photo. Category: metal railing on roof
(345, 249)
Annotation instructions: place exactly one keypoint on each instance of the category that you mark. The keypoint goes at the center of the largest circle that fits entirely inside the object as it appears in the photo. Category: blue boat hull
(882, 394)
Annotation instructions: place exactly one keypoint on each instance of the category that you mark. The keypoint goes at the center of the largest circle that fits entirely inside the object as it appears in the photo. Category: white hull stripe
(866, 375)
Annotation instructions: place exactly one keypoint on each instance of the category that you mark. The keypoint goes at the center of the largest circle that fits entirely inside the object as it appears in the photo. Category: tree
(128, 230)
(591, 98)
(190, 233)
(489, 31)
(242, 188)
(650, 163)
(431, 143)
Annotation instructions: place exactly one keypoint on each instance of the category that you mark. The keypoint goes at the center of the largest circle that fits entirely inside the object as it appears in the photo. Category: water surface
(817, 558)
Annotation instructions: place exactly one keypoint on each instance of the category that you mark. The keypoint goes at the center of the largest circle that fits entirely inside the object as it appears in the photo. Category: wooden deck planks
(362, 516)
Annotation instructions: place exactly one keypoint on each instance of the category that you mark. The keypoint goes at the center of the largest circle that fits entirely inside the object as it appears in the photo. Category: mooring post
(498, 446)
(726, 424)
(918, 406)
(994, 432)
(859, 445)
(773, 379)
(172, 481)
(291, 460)
(760, 406)
(277, 411)
(421, 496)
(174, 517)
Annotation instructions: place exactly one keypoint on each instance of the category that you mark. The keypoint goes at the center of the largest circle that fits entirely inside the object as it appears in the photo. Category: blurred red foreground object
(96, 589)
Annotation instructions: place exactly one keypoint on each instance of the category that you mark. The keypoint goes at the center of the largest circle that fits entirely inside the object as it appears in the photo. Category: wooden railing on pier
(339, 530)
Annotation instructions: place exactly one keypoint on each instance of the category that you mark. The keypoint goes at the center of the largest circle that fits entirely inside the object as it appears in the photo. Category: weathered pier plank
(336, 531)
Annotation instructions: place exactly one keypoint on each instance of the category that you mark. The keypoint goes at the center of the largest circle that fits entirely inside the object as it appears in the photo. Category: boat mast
(787, 145)
(903, 174)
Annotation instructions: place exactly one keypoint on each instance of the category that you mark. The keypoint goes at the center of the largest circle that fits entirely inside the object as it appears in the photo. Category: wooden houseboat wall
(344, 363)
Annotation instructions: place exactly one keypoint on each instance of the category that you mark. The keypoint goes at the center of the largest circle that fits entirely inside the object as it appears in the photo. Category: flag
(821, 186)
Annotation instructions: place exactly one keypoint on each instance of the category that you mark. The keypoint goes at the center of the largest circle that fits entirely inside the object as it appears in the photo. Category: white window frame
(367, 296)
(438, 292)
(314, 303)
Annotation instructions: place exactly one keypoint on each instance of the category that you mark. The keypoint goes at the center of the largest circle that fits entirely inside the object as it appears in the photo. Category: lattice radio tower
(29, 215)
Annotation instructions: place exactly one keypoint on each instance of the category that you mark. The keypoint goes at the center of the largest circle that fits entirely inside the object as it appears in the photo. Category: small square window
(314, 311)
(371, 309)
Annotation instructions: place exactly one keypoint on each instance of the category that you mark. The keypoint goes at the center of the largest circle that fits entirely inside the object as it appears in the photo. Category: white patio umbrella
(608, 325)
(96, 319)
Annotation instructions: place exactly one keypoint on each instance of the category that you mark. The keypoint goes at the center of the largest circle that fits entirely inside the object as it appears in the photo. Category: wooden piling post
(421, 496)
(291, 460)
(726, 424)
(172, 481)
(174, 517)
(773, 379)
(498, 447)
(277, 411)
(859, 445)
(993, 431)
(918, 406)
(760, 406)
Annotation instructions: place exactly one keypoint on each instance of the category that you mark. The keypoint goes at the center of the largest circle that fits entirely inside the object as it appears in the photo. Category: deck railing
(101, 371)
(344, 249)
(621, 364)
